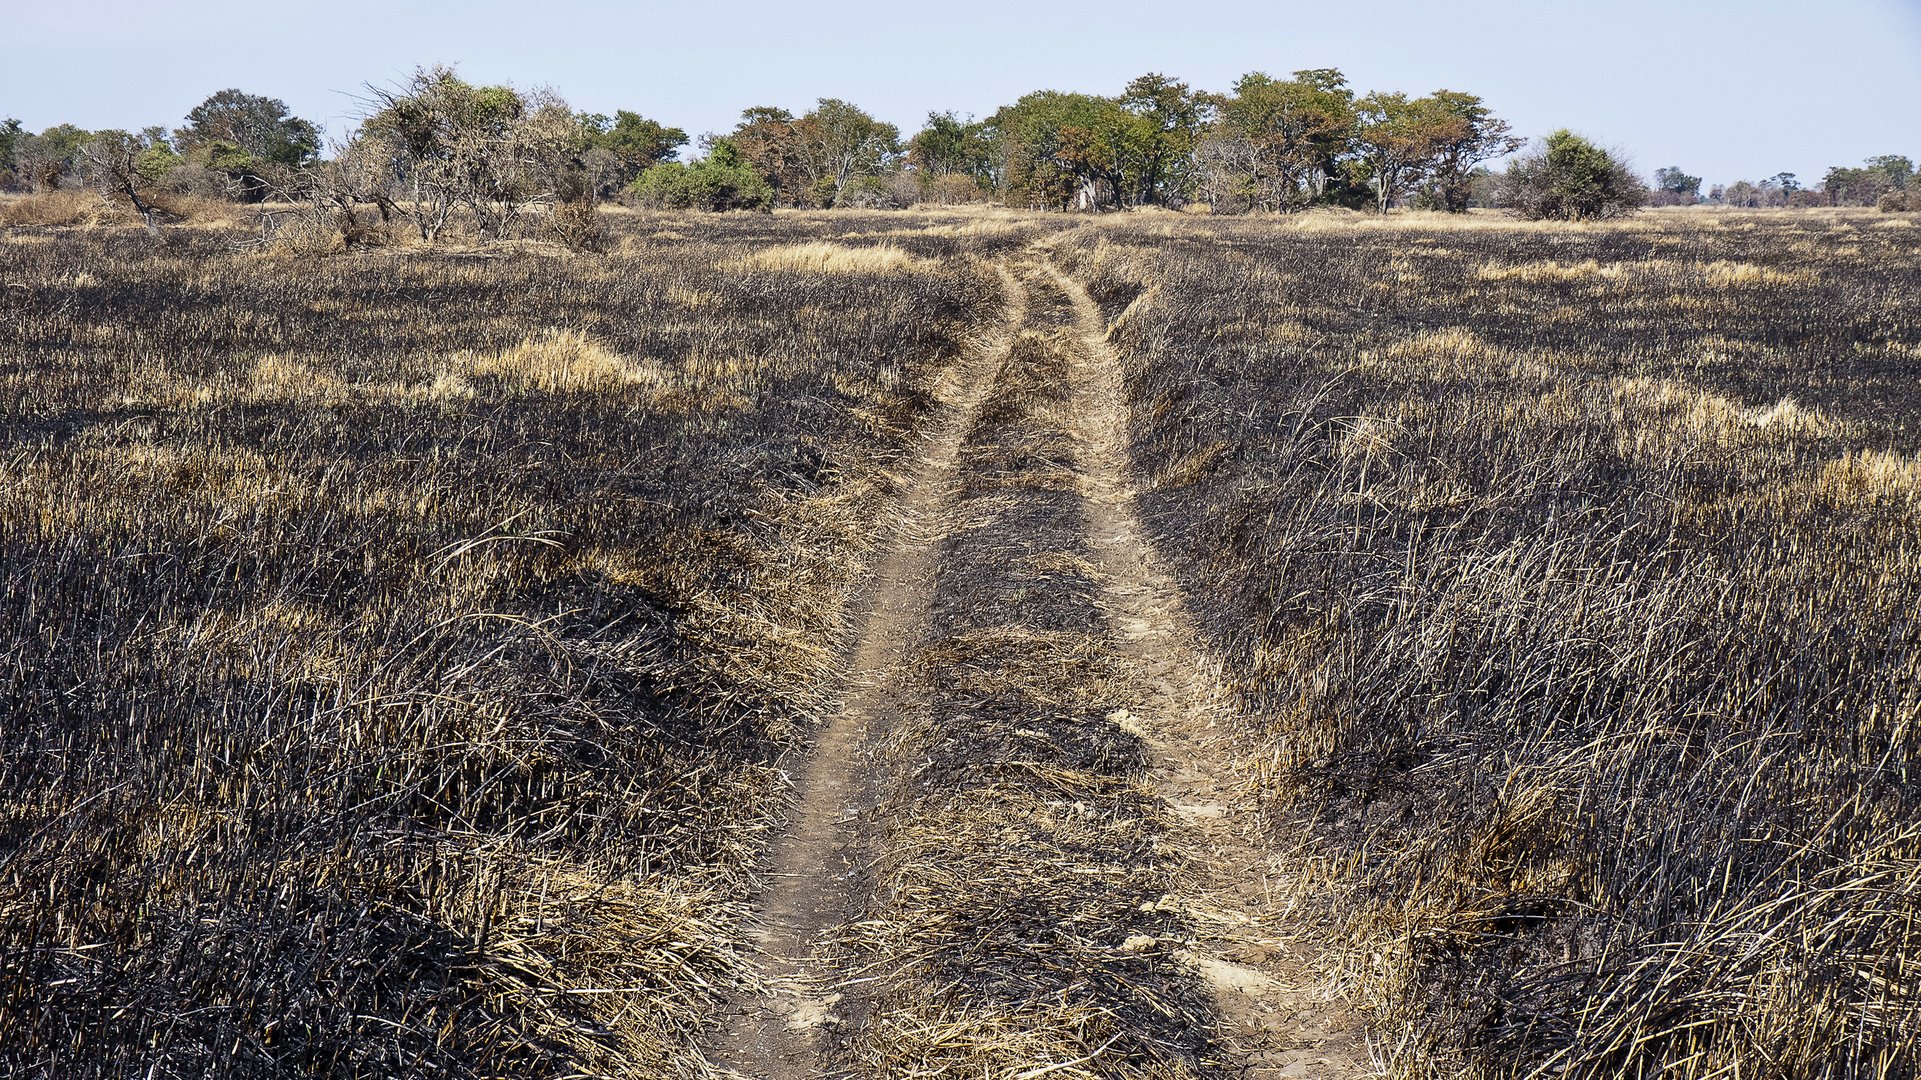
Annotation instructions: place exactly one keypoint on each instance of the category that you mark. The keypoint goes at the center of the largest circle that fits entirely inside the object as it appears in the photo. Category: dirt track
(1054, 478)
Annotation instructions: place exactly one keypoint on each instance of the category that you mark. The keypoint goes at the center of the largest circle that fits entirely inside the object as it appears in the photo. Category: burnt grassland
(1570, 581)
(397, 650)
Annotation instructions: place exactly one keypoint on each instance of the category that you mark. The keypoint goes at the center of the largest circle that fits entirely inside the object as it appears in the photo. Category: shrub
(1570, 179)
(706, 185)
(576, 223)
(1895, 202)
(873, 193)
(953, 189)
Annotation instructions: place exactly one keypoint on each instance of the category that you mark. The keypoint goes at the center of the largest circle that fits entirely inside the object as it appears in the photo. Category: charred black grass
(1570, 576)
(398, 646)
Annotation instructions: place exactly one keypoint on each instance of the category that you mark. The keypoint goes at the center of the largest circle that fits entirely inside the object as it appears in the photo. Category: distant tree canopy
(11, 135)
(1676, 186)
(619, 148)
(1166, 120)
(1279, 143)
(42, 161)
(1866, 185)
(812, 160)
(262, 127)
(1268, 144)
(1569, 178)
(253, 140)
(953, 157)
(1056, 149)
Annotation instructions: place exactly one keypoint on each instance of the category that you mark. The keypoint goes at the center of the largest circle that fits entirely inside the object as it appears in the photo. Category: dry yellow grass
(1872, 475)
(567, 362)
(1534, 273)
(1725, 273)
(823, 257)
(1716, 417)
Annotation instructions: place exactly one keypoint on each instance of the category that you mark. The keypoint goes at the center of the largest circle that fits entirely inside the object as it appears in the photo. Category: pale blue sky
(1724, 88)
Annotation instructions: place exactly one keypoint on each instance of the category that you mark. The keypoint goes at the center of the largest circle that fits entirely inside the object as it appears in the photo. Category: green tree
(768, 140)
(1280, 141)
(1569, 178)
(42, 161)
(253, 139)
(1401, 143)
(1677, 185)
(841, 144)
(1169, 118)
(12, 132)
(1896, 168)
(1463, 133)
(1395, 143)
(950, 146)
(1865, 185)
(620, 147)
(159, 158)
(260, 125)
(1058, 149)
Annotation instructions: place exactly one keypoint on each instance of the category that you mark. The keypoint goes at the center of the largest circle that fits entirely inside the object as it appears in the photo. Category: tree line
(1890, 181)
(436, 144)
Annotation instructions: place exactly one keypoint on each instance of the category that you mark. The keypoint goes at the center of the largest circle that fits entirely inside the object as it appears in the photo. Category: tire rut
(817, 868)
(820, 869)
(1272, 1023)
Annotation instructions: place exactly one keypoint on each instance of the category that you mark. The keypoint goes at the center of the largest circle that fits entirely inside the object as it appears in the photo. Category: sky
(1726, 89)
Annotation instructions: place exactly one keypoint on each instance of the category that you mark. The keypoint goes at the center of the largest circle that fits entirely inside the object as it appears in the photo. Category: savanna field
(974, 644)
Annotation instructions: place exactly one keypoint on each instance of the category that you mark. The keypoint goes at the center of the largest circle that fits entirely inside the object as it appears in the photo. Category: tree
(1571, 179)
(840, 144)
(437, 142)
(1866, 185)
(1395, 143)
(1464, 132)
(254, 140)
(158, 159)
(811, 160)
(767, 140)
(1897, 170)
(261, 126)
(1288, 135)
(1169, 119)
(12, 133)
(951, 147)
(621, 147)
(42, 161)
(118, 163)
(1401, 143)
(1674, 187)
(1059, 149)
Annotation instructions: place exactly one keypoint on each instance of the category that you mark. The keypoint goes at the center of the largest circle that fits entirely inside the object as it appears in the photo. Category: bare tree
(844, 143)
(437, 143)
(112, 163)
